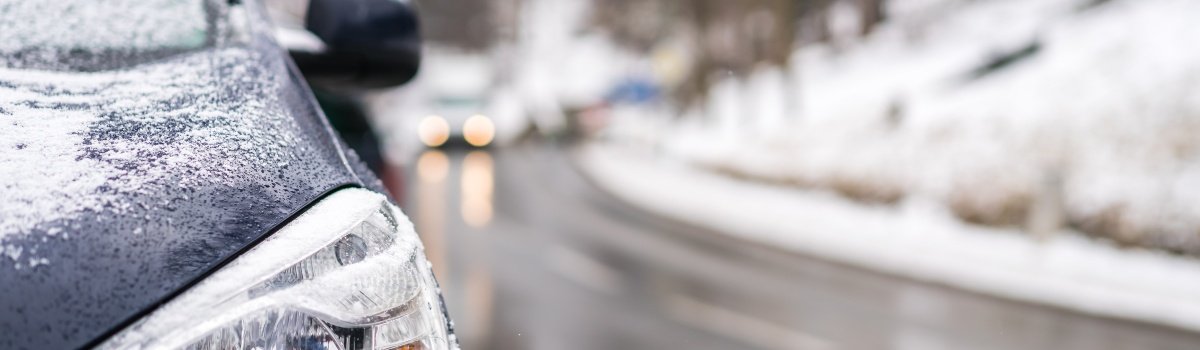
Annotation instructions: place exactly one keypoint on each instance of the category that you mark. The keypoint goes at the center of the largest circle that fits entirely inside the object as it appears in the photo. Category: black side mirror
(369, 43)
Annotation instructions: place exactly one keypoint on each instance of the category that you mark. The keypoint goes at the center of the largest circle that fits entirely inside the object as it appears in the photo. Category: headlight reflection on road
(432, 168)
(477, 188)
(469, 280)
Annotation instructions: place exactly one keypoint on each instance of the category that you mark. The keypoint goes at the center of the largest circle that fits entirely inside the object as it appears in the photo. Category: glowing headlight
(349, 273)
(433, 131)
(479, 130)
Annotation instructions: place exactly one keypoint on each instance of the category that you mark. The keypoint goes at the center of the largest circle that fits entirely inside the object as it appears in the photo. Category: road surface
(532, 256)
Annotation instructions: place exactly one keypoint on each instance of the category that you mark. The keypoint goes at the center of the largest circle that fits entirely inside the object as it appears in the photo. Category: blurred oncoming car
(167, 181)
(458, 98)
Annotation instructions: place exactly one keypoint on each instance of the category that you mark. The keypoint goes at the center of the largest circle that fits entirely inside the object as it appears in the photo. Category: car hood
(119, 189)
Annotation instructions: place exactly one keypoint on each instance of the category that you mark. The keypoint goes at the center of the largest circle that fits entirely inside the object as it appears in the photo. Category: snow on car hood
(120, 188)
(90, 24)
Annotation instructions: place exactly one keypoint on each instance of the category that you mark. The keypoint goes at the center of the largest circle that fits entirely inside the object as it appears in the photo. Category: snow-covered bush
(998, 109)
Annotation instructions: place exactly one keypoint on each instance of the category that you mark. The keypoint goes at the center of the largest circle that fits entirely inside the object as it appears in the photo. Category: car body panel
(121, 187)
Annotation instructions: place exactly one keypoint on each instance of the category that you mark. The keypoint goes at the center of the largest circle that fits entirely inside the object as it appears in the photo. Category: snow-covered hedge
(1041, 114)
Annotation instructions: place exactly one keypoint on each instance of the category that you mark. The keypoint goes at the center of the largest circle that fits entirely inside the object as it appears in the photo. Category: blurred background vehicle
(458, 90)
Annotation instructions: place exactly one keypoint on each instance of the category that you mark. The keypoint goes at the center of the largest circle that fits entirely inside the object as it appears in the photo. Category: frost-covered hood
(119, 188)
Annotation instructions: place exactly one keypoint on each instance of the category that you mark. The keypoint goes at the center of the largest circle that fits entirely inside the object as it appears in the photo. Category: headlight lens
(348, 274)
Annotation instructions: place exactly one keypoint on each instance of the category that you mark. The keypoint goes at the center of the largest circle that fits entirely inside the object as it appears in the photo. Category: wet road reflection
(531, 256)
(477, 187)
(432, 168)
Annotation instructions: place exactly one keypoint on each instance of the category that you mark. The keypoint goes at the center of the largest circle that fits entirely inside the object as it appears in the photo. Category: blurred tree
(871, 12)
(637, 24)
(735, 37)
(467, 24)
(813, 16)
(729, 38)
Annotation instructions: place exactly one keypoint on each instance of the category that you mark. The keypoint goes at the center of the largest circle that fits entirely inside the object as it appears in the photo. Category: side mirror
(368, 43)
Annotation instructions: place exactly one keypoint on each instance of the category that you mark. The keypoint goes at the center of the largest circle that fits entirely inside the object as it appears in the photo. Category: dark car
(167, 181)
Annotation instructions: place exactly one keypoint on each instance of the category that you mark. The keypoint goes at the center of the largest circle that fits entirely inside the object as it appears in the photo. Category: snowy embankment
(977, 144)
(915, 239)
(1047, 116)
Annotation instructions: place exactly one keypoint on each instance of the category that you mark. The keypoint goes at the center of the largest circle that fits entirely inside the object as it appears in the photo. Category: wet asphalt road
(532, 256)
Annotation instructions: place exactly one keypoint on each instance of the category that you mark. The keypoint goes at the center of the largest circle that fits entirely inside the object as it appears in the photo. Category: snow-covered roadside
(915, 240)
(1095, 117)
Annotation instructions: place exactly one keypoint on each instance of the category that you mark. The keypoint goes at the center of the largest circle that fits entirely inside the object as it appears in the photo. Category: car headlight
(349, 273)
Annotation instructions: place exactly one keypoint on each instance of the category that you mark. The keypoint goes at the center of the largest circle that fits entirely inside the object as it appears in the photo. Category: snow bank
(1090, 125)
